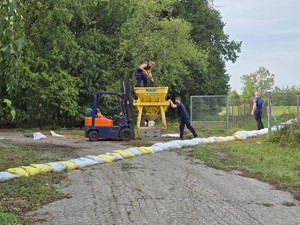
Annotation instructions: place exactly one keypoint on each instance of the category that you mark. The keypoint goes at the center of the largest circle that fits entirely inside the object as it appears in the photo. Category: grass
(25, 194)
(258, 158)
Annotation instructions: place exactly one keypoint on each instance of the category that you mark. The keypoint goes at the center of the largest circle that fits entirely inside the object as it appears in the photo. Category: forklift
(99, 127)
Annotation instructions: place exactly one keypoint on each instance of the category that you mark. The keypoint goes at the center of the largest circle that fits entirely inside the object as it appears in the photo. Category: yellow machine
(151, 104)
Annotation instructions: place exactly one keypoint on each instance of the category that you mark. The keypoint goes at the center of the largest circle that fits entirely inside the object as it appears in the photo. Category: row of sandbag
(89, 160)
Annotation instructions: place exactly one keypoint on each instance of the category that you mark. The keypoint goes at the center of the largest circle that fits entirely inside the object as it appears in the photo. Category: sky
(270, 32)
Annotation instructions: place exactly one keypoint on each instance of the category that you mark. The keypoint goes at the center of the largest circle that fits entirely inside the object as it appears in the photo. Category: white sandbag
(180, 142)
(156, 148)
(173, 145)
(134, 151)
(38, 136)
(200, 141)
(189, 143)
(117, 155)
(95, 158)
(162, 146)
(213, 139)
(229, 138)
(151, 123)
(83, 162)
(55, 134)
(57, 166)
(170, 135)
(7, 176)
(242, 133)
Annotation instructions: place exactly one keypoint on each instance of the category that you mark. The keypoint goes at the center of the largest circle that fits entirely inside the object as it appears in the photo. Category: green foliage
(72, 48)
(8, 108)
(11, 43)
(261, 80)
(288, 136)
(7, 219)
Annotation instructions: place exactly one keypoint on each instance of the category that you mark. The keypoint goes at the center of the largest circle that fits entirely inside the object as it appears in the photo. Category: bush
(287, 136)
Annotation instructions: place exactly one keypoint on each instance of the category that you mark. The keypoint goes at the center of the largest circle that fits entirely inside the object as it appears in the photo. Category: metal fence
(222, 112)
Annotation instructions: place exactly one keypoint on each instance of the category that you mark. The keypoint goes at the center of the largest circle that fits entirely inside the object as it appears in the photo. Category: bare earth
(162, 188)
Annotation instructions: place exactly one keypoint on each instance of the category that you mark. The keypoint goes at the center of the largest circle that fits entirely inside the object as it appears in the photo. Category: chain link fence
(222, 112)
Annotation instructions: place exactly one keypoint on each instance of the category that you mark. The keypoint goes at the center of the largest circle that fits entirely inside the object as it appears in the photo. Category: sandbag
(200, 141)
(43, 168)
(228, 138)
(70, 165)
(242, 133)
(38, 136)
(156, 148)
(162, 146)
(31, 171)
(222, 139)
(20, 172)
(83, 162)
(238, 137)
(7, 176)
(145, 150)
(57, 166)
(189, 143)
(134, 151)
(173, 145)
(124, 153)
(213, 139)
(107, 158)
(117, 155)
(206, 140)
(95, 158)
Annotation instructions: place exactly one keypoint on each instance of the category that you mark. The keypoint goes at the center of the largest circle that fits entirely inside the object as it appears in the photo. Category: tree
(261, 80)
(11, 43)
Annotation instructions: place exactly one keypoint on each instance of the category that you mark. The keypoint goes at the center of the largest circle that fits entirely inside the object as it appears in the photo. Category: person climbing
(183, 116)
(257, 110)
(142, 72)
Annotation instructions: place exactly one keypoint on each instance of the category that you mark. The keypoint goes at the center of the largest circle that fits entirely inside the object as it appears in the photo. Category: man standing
(257, 110)
(183, 116)
(142, 72)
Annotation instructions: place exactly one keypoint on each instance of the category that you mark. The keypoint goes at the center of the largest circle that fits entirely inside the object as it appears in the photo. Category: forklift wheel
(93, 135)
(126, 134)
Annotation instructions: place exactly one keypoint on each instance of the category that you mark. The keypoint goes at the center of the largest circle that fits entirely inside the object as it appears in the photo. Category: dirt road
(162, 188)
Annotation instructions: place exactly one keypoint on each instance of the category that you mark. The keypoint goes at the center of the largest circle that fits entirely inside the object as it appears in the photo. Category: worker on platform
(143, 72)
(183, 116)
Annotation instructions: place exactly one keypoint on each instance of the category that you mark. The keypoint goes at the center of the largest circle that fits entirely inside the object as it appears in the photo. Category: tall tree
(261, 80)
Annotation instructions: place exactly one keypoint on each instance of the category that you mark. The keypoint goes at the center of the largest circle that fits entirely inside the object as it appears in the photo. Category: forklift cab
(102, 127)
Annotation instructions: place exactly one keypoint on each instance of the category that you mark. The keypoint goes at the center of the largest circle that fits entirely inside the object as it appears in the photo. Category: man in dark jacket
(257, 110)
(183, 116)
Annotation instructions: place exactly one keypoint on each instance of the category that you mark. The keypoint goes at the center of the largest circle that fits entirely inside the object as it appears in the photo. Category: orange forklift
(99, 127)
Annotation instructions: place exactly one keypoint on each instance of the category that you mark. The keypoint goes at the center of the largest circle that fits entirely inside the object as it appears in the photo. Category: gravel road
(166, 188)
(159, 189)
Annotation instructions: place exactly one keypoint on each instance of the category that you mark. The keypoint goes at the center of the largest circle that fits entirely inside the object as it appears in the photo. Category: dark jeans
(141, 77)
(257, 116)
(183, 122)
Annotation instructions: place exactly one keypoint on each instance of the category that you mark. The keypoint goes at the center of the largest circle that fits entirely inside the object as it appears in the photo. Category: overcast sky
(270, 31)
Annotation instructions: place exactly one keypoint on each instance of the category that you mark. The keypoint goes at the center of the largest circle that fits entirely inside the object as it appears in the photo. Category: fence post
(269, 114)
(232, 110)
(298, 107)
(227, 113)
(191, 108)
(245, 118)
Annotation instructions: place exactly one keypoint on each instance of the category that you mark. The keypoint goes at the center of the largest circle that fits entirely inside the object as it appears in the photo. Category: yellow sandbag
(43, 168)
(124, 153)
(207, 141)
(222, 139)
(31, 171)
(238, 137)
(70, 165)
(145, 150)
(18, 171)
(233, 137)
(107, 158)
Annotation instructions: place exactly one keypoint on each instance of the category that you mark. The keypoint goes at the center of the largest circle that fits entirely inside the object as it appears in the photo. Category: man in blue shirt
(257, 110)
(142, 72)
(183, 116)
